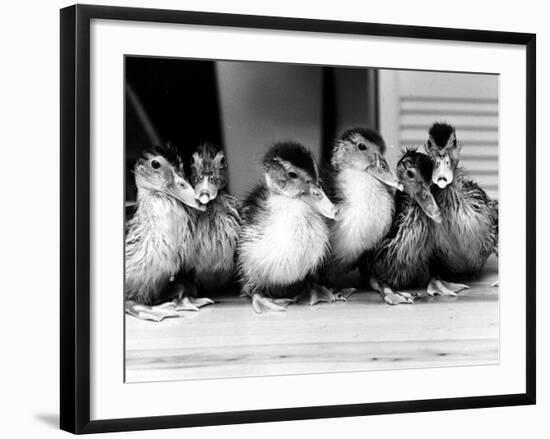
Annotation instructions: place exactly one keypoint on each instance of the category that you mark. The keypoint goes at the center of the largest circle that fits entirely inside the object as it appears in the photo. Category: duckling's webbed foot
(319, 293)
(186, 299)
(262, 304)
(390, 296)
(346, 293)
(187, 303)
(439, 287)
(152, 313)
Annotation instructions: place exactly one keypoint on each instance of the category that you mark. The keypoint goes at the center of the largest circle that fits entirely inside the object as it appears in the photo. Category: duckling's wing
(475, 196)
(494, 225)
(474, 192)
(253, 204)
(235, 204)
(481, 202)
(328, 183)
(232, 209)
(389, 242)
(402, 258)
(402, 205)
(402, 208)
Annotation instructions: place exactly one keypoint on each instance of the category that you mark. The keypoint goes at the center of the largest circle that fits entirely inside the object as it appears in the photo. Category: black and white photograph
(275, 219)
(288, 219)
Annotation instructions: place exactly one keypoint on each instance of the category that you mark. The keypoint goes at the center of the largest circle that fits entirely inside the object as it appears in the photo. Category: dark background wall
(169, 100)
(243, 106)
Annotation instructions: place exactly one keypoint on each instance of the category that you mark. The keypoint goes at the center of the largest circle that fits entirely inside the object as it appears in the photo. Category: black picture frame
(75, 217)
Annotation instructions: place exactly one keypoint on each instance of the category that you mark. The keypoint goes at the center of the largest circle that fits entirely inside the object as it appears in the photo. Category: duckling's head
(208, 172)
(443, 148)
(290, 170)
(363, 149)
(159, 171)
(414, 169)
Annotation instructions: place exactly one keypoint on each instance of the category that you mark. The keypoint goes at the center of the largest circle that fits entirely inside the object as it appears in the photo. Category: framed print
(304, 218)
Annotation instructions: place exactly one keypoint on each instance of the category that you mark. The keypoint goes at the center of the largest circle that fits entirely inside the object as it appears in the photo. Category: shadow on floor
(49, 419)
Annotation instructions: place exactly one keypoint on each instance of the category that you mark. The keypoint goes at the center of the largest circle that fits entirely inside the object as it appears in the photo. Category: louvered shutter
(469, 102)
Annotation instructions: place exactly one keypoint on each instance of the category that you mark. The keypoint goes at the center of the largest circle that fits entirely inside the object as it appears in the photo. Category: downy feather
(283, 241)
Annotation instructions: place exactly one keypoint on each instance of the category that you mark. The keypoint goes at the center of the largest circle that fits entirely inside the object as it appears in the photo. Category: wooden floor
(229, 339)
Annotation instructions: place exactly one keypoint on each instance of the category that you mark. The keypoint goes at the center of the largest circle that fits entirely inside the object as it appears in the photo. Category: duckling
(402, 259)
(284, 237)
(160, 234)
(360, 183)
(217, 228)
(468, 234)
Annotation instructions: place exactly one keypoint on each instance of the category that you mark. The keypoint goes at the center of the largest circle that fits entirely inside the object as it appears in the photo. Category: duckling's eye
(222, 161)
(410, 173)
(383, 166)
(155, 164)
(316, 194)
(292, 174)
(362, 146)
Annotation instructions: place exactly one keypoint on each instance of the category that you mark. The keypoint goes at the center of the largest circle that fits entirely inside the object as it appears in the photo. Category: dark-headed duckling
(360, 184)
(468, 233)
(159, 240)
(284, 236)
(402, 259)
(217, 228)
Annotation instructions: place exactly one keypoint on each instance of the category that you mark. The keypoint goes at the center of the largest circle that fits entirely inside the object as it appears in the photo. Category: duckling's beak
(320, 202)
(183, 191)
(442, 174)
(205, 191)
(382, 172)
(428, 204)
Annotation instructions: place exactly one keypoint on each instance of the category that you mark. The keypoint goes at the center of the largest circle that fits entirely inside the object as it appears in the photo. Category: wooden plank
(229, 339)
(305, 358)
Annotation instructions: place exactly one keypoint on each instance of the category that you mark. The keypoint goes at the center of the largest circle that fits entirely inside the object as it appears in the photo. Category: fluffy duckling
(360, 184)
(160, 234)
(402, 260)
(468, 233)
(217, 228)
(284, 237)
